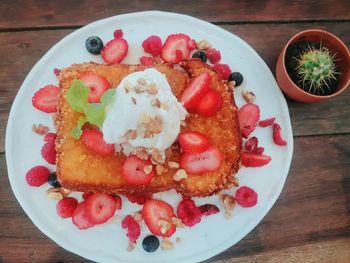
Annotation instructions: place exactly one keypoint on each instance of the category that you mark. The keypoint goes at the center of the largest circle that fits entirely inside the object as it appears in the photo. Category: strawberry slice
(45, 99)
(175, 48)
(208, 161)
(193, 142)
(276, 134)
(97, 85)
(209, 104)
(115, 51)
(254, 160)
(100, 207)
(79, 217)
(156, 213)
(249, 116)
(137, 171)
(267, 122)
(195, 90)
(93, 139)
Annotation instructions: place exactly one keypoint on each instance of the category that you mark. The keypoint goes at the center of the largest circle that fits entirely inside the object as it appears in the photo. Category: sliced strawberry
(45, 99)
(209, 209)
(208, 161)
(209, 104)
(139, 199)
(115, 51)
(97, 85)
(86, 195)
(79, 217)
(118, 202)
(134, 171)
(277, 137)
(195, 90)
(267, 122)
(155, 210)
(193, 142)
(100, 207)
(93, 139)
(249, 116)
(175, 48)
(254, 160)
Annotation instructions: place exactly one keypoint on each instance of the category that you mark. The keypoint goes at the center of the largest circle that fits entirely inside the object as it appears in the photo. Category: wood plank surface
(310, 222)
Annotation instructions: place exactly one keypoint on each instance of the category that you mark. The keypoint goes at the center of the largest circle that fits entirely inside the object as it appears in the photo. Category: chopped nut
(159, 169)
(40, 129)
(164, 106)
(133, 100)
(179, 175)
(54, 193)
(203, 44)
(64, 191)
(145, 118)
(177, 222)
(178, 239)
(228, 201)
(228, 214)
(141, 81)
(166, 244)
(156, 156)
(128, 87)
(152, 89)
(183, 123)
(154, 125)
(249, 96)
(139, 89)
(141, 152)
(173, 165)
(148, 168)
(137, 216)
(164, 225)
(156, 103)
(148, 134)
(131, 245)
(131, 135)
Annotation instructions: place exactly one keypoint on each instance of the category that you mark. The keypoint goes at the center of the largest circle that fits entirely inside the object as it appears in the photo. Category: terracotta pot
(335, 45)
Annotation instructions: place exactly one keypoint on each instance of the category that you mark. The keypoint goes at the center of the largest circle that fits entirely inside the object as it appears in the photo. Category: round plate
(108, 242)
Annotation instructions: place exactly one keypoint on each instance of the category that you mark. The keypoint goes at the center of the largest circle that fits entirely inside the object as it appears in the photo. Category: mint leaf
(77, 96)
(107, 97)
(77, 131)
(95, 113)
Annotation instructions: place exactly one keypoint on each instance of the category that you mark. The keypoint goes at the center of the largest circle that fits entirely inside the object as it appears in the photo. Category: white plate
(108, 242)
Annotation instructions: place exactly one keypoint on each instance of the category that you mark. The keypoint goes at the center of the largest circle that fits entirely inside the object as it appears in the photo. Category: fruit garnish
(208, 161)
(246, 197)
(213, 55)
(209, 209)
(132, 227)
(152, 45)
(66, 206)
(223, 69)
(46, 98)
(210, 103)
(37, 176)
(93, 140)
(236, 77)
(97, 84)
(277, 136)
(254, 160)
(157, 215)
(188, 212)
(86, 195)
(192, 44)
(100, 207)
(115, 51)
(267, 122)
(50, 137)
(201, 55)
(150, 243)
(48, 152)
(251, 146)
(118, 33)
(137, 171)
(175, 48)
(249, 116)
(139, 199)
(193, 142)
(146, 61)
(94, 45)
(52, 180)
(118, 202)
(56, 71)
(195, 90)
(79, 217)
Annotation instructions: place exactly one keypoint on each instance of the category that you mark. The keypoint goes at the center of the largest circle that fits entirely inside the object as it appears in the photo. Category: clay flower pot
(335, 45)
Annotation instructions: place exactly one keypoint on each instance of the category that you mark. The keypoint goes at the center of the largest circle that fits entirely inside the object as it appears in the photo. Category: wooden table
(310, 221)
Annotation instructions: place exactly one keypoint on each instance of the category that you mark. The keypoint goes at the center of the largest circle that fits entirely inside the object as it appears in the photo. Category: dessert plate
(108, 242)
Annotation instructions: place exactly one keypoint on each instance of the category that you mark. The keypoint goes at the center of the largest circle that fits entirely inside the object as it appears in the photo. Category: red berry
(118, 202)
(213, 55)
(134, 172)
(118, 33)
(100, 207)
(277, 136)
(193, 142)
(139, 199)
(56, 71)
(252, 144)
(152, 45)
(260, 150)
(192, 44)
(97, 84)
(46, 98)
(86, 195)
(79, 217)
(50, 137)
(115, 51)
(209, 209)
(66, 206)
(146, 61)
(222, 69)
(246, 197)
(188, 212)
(249, 116)
(267, 122)
(176, 48)
(93, 139)
(132, 227)
(255, 160)
(37, 176)
(210, 103)
(48, 152)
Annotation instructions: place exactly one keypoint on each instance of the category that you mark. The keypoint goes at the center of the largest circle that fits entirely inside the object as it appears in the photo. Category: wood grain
(310, 222)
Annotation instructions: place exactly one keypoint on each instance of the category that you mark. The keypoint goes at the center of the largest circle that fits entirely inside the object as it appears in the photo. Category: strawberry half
(79, 217)
(115, 51)
(46, 98)
(93, 139)
(97, 85)
(249, 116)
(195, 90)
(267, 122)
(254, 160)
(155, 210)
(276, 134)
(137, 171)
(175, 48)
(193, 142)
(100, 207)
(209, 104)
(208, 161)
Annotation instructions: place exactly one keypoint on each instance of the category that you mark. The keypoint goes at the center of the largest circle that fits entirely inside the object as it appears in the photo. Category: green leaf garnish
(95, 113)
(77, 96)
(77, 131)
(107, 97)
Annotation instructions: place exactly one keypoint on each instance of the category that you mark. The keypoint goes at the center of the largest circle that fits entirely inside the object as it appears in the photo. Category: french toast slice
(80, 169)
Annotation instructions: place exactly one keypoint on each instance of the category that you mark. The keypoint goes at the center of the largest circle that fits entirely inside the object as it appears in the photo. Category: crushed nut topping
(133, 100)
(64, 191)
(54, 194)
(164, 106)
(249, 96)
(173, 165)
(203, 44)
(145, 118)
(166, 244)
(179, 175)
(164, 225)
(131, 135)
(128, 87)
(156, 103)
(177, 222)
(160, 169)
(131, 245)
(40, 129)
(228, 214)
(183, 123)
(152, 89)
(141, 152)
(137, 216)
(147, 169)
(154, 125)
(141, 81)
(156, 156)
(139, 89)
(228, 201)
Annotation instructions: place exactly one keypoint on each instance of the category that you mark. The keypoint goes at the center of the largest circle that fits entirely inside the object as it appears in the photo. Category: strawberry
(208, 161)
(79, 217)
(155, 210)
(66, 206)
(267, 122)
(249, 116)
(213, 55)
(115, 51)
(93, 139)
(100, 207)
(195, 90)
(209, 104)
(50, 137)
(37, 176)
(175, 48)
(45, 99)
(135, 171)
(48, 152)
(193, 142)
(152, 45)
(192, 44)
(97, 85)
(254, 160)
(139, 199)
(118, 202)
(209, 209)
(276, 134)
(86, 195)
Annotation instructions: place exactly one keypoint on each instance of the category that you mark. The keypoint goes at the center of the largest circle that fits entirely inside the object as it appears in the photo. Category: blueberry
(53, 180)
(201, 55)
(236, 77)
(150, 243)
(94, 45)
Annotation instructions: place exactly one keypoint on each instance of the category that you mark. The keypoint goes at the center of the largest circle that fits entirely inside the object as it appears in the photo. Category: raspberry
(118, 33)
(132, 227)
(213, 55)
(152, 45)
(246, 197)
(192, 44)
(37, 175)
(146, 61)
(138, 198)
(188, 212)
(50, 137)
(56, 71)
(224, 69)
(66, 206)
(48, 152)
(209, 209)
